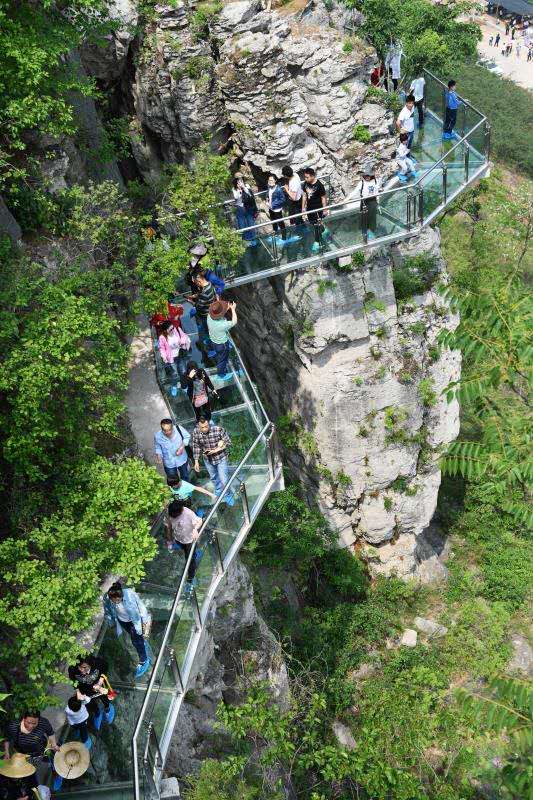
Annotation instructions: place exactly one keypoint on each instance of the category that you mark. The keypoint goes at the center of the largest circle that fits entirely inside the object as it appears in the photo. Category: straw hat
(71, 760)
(218, 309)
(17, 766)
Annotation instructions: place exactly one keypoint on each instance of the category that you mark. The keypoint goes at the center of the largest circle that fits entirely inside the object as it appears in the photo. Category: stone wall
(334, 350)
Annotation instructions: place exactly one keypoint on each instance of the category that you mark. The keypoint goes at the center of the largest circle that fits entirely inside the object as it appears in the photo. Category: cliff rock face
(285, 88)
(361, 377)
(237, 648)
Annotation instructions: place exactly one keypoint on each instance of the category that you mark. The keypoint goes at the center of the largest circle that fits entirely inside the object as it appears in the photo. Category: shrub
(361, 134)
(415, 276)
(347, 46)
(427, 393)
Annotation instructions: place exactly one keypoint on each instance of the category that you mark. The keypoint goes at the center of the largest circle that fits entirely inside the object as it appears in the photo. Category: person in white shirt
(294, 192)
(406, 164)
(77, 716)
(368, 191)
(406, 119)
(417, 90)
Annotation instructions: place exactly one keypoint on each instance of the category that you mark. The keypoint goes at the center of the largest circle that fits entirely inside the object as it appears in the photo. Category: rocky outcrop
(286, 88)
(362, 379)
(106, 61)
(237, 648)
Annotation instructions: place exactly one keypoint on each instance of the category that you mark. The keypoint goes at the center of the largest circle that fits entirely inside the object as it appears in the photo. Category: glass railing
(444, 167)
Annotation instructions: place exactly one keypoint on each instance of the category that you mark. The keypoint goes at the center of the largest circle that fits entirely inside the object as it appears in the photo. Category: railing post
(409, 209)
(467, 157)
(445, 183)
(245, 506)
(420, 206)
(270, 454)
(364, 221)
(487, 140)
(219, 551)
(443, 105)
(174, 668)
(463, 123)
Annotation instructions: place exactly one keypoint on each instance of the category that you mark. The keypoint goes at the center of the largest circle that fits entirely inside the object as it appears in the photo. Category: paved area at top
(517, 68)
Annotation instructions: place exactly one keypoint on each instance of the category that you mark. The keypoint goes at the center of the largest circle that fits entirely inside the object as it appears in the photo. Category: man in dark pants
(314, 201)
(452, 104)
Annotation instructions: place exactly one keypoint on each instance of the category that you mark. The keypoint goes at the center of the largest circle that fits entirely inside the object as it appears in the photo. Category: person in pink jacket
(174, 346)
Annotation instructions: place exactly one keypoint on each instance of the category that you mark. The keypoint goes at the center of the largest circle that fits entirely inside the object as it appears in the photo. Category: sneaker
(371, 235)
(98, 720)
(315, 247)
(252, 243)
(110, 714)
(279, 241)
(229, 500)
(326, 235)
(174, 391)
(58, 783)
(88, 743)
(228, 376)
(142, 668)
(292, 239)
(200, 512)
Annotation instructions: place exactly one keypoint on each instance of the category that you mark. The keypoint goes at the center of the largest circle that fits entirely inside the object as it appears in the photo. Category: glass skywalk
(444, 168)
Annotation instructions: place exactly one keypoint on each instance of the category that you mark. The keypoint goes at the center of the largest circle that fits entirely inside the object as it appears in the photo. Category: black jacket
(201, 375)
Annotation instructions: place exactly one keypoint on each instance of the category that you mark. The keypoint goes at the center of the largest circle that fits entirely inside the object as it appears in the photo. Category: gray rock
(409, 638)
(522, 660)
(343, 735)
(8, 223)
(430, 627)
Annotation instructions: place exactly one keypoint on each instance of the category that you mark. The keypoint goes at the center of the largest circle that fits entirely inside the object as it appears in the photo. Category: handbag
(200, 399)
(111, 693)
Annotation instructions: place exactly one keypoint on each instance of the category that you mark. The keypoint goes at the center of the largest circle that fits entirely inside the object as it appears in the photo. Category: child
(182, 490)
(77, 716)
(405, 163)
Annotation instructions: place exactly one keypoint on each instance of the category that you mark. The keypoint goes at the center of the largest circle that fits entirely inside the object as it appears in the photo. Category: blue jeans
(219, 474)
(137, 640)
(411, 136)
(178, 367)
(203, 332)
(173, 472)
(244, 220)
(222, 356)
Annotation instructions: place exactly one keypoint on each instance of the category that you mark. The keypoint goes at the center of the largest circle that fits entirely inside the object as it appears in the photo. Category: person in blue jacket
(276, 201)
(452, 104)
(125, 611)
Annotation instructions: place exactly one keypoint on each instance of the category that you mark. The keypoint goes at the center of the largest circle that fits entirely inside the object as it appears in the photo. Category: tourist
(518, 49)
(406, 122)
(417, 90)
(313, 203)
(245, 208)
(170, 443)
(452, 104)
(368, 191)
(202, 298)
(199, 389)
(276, 201)
(405, 163)
(376, 75)
(17, 779)
(77, 715)
(182, 530)
(508, 49)
(491, 41)
(33, 735)
(87, 677)
(530, 52)
(513, 31)
(497, 40)
(125, 610)
(212, 442)
(293, 190)
(219, 328)
(182, 490)
(507, 27)
(174, 344)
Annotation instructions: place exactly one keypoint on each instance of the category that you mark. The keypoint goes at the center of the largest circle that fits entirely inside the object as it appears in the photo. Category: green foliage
(432, 35)
(192, 195)
(495, 337)
(36, 73)
(347, 46)
(195, 67)
(201, 18)
(52, 576)
(498, 98)
(361, 134)
(506, 708)
(224, 780)
(324, 286)
(371, 303)
(415, 276)
(390, 100)
(427, 392)
(294, 436)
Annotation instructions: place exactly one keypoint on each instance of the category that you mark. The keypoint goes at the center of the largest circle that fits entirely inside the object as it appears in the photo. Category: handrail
(462, 99)
(345, 202)
(444, 157)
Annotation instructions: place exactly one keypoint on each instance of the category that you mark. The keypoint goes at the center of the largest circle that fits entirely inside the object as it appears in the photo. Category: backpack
(217, 282)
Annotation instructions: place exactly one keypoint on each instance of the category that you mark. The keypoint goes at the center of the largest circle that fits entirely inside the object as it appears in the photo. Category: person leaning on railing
(125, 611)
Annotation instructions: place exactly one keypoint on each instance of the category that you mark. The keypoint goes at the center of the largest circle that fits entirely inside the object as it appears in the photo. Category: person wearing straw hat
(71, 760)
(17, 778)
(219, 327)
